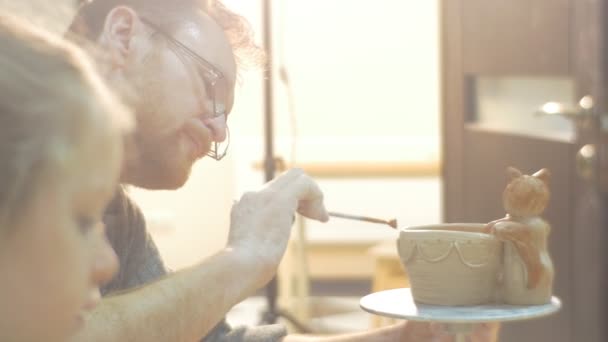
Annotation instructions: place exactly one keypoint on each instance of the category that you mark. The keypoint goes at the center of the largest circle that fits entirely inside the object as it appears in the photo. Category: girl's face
(56, 256)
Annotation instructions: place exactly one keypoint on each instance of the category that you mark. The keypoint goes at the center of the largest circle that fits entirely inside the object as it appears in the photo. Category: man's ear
(120, 26)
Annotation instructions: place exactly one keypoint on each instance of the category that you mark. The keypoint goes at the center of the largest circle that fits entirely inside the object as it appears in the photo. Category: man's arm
(183, 306)
(186, 305)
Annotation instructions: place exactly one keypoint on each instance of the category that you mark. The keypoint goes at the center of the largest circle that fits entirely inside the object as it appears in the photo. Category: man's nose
(217, 126)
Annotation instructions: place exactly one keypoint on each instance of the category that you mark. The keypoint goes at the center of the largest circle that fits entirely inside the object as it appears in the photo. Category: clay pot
(451, 264)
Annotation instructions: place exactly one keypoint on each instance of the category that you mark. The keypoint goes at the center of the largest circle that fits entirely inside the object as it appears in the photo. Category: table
(399, 303)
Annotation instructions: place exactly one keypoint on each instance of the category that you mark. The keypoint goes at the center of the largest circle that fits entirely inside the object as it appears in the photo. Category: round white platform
(399, 303)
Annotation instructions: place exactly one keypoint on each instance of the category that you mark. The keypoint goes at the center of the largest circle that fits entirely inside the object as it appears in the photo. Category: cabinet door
(501, 61)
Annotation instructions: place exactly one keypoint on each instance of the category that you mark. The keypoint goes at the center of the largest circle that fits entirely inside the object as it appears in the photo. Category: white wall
(364, 80)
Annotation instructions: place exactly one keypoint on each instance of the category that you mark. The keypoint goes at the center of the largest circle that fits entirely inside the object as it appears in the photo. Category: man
(173, 62)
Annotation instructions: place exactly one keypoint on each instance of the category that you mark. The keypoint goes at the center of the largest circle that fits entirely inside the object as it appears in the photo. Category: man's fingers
(313, 209)
(308, 196)
(282, 180)
(295, 186)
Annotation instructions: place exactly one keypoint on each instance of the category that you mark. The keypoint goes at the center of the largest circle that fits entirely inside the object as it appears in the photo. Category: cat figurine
(527, 272)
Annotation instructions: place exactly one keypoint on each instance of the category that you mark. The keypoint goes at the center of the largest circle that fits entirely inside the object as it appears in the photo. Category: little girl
(60, 153)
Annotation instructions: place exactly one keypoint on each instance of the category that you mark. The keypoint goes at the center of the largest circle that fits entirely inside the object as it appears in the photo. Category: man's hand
(423, 332)
(261, 221)
(437, 332)
(406, 331)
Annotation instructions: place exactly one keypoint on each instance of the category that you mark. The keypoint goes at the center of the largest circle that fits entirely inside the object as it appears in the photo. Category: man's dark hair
(89, 21)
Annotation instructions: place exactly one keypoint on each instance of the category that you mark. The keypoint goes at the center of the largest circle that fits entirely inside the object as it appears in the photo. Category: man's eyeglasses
(215, 85)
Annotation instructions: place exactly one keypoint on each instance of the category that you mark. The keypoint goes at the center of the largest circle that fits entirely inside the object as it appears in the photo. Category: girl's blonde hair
(50, 98)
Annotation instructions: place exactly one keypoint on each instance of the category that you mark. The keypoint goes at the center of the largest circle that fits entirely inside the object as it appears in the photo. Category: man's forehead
(205, 37)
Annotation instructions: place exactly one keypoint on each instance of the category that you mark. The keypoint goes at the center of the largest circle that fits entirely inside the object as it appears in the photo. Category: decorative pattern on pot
(451, 267)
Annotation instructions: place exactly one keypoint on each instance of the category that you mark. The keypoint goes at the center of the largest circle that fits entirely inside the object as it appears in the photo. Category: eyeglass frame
(211, 78)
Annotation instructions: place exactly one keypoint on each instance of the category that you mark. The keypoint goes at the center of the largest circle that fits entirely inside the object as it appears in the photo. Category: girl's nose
(105, 263)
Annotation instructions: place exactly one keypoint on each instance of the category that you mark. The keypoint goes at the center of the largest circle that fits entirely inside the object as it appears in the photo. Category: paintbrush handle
(391, 223)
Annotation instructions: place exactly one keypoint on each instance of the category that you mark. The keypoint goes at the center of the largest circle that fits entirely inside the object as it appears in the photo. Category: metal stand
(272, 313)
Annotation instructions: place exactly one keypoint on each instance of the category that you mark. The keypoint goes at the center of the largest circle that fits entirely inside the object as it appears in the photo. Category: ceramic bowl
(451, 264)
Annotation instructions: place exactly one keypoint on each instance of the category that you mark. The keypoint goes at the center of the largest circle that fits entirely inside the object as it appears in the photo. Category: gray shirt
(140, 263)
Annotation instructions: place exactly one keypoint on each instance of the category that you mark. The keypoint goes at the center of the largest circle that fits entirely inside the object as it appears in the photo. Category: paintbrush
(392, 223)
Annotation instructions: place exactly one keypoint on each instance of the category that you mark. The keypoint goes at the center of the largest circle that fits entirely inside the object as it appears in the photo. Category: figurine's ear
(513, 172)
(544, 175)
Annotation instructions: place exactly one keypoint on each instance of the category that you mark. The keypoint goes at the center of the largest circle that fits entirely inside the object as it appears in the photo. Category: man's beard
(161, 165)
(160, 159)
